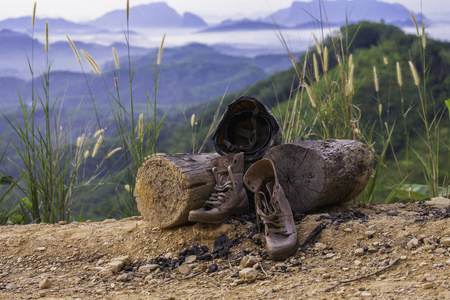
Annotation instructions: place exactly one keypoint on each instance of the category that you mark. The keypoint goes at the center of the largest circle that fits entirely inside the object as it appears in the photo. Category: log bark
(168, 187)
(319, 173)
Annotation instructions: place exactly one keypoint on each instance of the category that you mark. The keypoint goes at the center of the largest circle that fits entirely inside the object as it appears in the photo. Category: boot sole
(285, 254)
(217, 218)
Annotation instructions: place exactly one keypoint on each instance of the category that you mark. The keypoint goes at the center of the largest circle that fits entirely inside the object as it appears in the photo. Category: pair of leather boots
(230, 198)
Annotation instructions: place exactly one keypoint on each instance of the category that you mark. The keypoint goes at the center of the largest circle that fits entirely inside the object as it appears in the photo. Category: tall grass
(322, 106)
(52, 158)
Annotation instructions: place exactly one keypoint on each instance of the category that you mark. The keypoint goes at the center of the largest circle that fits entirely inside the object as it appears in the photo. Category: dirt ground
(399, 251)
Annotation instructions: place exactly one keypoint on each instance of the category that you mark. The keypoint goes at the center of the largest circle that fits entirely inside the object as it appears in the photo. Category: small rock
(62, 223)
(357, 262)
(428, 247)
(248, 261)
(124, 277)
(412, 243)
(126, 259)
(280, 265)
(329, 255)
(148, 268)
(392, 213)
(427, 285)
(248, 273)
(42, 294)
(320, 246)
(115, 266)
(359, 252)
(105, 272)
(213, 268)
(366, 294)
(191, 259)
(326, 276)
(45, 283)
(440, 250)
(438, 202)
(445, 242)
(370, 233)
(40, 248)
(372, 249)
(109, 221)
(348, 229)
(184, 269)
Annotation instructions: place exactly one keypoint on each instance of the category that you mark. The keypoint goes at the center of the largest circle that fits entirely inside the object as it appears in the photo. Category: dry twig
(363, 276)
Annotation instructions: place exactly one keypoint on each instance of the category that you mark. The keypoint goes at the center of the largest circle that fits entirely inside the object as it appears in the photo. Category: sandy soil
(405, 248)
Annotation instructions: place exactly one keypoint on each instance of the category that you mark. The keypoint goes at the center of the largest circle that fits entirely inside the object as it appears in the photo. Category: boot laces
(270, 213)
(222, 190)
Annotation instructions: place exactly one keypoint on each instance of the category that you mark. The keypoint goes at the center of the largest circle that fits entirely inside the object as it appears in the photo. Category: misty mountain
(189, 74)
(23, 24)
(153, 15)
(15, 47)
(245, 24)
(305, 14)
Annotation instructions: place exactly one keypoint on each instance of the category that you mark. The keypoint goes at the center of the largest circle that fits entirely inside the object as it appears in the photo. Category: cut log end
(168, 187)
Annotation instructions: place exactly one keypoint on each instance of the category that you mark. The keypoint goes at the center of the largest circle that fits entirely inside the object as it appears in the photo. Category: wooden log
(319, 173)
(169, 186)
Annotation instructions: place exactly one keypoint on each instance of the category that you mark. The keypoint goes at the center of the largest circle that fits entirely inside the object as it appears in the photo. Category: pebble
(40, 248)
(326, 276)
(45, 283)
(42, 294)
(412, 243)
(427, 285)
(370, 233)
(357, 262)
(248, 273)
(280, 265)
(124, 277)
(248, 261)
(440, 250)
(105, 272)
(329, 255)
(366, 294)
(62, 223)
(148, 268)
(320, 246)
(348, 229)
(392, 213)
(184, 269)
(115, 266)
(359, 252)
(372, 249)
(445, 242)
(191, 259)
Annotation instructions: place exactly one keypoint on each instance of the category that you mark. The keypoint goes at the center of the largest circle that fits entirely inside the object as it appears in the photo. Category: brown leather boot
(273, 208)
(230, 197)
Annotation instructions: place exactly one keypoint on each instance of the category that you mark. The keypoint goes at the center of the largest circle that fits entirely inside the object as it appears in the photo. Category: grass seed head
(399, 75)
(158, 61)
(414, 73)
(141, 127)
(97, 146)
(74, 49)
(46, 36)
(316, 68)
(34, 15)
(116, 59)
(415, 23)
(375, 79)
(113, 151)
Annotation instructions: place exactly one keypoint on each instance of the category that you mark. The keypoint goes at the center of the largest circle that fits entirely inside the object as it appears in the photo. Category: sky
(212, 11)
